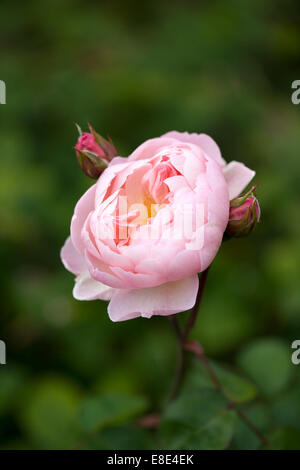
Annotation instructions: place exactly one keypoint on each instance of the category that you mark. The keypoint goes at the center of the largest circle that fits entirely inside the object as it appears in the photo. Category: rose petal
(82, 209)
(207, 144)
(71, 259)
(166, 299)
(86, 288)
(238, 176)
(150, 148)
(213, 241)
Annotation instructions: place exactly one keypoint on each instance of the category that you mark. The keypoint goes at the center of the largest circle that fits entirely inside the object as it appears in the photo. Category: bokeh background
(136, 70)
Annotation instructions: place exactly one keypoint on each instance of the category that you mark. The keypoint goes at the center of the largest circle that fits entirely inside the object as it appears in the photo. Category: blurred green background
(136, 70)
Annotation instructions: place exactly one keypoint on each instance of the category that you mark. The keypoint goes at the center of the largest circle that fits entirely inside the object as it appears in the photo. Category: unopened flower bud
(93, 153)
(244, 214)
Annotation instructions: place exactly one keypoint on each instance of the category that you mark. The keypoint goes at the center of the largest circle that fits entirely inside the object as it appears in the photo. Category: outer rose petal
(238, 176)
(71, 259)
(86, 288)
(207, 144)
(82, 209)
(149, 148)
(166, 299)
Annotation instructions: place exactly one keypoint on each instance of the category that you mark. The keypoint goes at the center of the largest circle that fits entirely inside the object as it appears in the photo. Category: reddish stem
(198, 351)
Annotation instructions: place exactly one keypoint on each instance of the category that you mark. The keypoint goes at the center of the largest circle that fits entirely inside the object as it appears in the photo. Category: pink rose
(142, 258)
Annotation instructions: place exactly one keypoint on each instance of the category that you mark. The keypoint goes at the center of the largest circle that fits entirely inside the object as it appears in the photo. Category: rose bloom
(146, 272)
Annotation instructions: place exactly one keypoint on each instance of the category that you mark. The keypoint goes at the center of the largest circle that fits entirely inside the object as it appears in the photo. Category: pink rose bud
(244, 214)
(94, 153)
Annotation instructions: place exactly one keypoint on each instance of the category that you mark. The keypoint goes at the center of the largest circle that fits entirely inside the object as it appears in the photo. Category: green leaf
(122, 438)
(268, 363)
(197, 420)
(194, 408)
(215, 434)
(286, 408)
(285, 439)
(244, 438)
(236, 388)
(109, 409)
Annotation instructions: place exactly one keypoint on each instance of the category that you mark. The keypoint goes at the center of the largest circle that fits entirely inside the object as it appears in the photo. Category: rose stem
(179, 371)
(196, 348)
(182, 337)
(192, 318)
